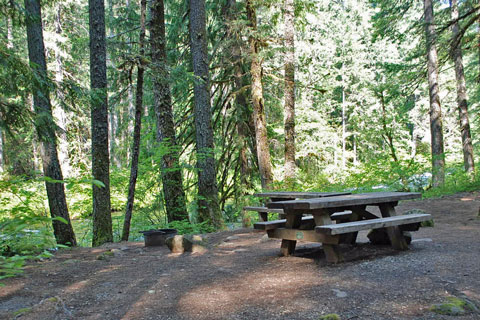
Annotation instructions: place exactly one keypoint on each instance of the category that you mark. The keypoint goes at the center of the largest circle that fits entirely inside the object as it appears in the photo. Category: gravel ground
(241, 276)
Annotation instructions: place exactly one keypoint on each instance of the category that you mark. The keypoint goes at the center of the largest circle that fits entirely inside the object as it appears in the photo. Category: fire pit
(157, 237)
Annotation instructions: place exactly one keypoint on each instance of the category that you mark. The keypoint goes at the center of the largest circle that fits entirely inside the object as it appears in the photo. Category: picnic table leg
(351, 238)
(263, 216)
(394, 233)
(288, 246)
(332, 251)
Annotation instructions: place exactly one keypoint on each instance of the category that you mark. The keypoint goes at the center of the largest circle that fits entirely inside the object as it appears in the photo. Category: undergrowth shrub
(25, 228)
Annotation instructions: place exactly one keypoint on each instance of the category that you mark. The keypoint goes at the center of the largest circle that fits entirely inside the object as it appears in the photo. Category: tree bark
(46, 127)
(462, 95)
(102, 219)
(172, 180)
(207, 186)
(263, 151)
(3, 159)
(387, 133)
(344, 130)
(436, 127)
(289, 16)
(137, 126)
(114, 118)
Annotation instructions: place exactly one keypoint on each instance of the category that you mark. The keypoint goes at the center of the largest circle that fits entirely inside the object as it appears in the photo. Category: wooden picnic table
(286, 195)
(292, 195)
(322, 229)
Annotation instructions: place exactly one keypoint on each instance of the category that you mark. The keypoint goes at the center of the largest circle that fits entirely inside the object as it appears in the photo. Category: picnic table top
(371, 198)
(300, 195)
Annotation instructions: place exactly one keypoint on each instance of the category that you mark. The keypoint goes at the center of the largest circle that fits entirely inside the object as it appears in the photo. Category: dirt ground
(241, 276)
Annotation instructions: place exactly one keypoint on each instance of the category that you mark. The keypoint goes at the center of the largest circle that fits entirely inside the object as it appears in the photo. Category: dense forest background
(207, 102)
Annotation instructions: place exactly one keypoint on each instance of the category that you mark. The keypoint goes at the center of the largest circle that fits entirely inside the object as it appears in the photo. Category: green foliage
(330, 316)
(185, 227)
(25, 229)
(454, 307)
(456, 180)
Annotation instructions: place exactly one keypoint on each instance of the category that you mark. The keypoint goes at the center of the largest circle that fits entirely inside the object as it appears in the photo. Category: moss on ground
(330, 316)
(454, 307)
(22, 311)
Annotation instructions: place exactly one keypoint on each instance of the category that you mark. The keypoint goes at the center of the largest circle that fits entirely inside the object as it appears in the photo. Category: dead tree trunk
(45, 126)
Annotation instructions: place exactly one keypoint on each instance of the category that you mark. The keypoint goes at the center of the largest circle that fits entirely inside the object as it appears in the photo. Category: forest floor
(241, 276)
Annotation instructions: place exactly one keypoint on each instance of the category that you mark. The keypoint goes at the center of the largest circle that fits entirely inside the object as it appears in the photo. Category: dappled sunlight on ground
(236, 293)
(80, 285)
(11, 289)
(242, 277)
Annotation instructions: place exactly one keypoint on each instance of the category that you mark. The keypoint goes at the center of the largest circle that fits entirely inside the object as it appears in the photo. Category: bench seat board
(334, 229)
(274, 224)
(302, 235)
(262, 209)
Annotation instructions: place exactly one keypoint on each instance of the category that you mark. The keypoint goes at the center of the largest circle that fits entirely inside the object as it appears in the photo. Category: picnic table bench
(353, 217)
(284, 196)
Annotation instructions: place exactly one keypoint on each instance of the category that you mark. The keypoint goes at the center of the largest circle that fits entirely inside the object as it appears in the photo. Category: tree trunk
(355, 161)
(102, 219)
(2, 157)
(387, 132)
(58, 111)
(137, 126)
(263, 151)
(114, 118)
(478, 45)
(289, 16)
(35, 143)
(241, 103)
(173, 192)
(207, 186)
(2, 141)
(344, 130)
(462, 95)
(436, 127)
(46, 127)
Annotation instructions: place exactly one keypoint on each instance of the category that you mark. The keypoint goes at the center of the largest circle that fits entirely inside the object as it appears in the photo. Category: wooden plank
(332, 251)
(348, 227)
(397, 239)
(302, 235)
(274, 224)
(372, 198)
(262, 209)
(341, 215)
(298, 195)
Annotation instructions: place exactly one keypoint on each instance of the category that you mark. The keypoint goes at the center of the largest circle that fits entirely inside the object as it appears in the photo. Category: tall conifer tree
(46, 127)
(462, 102)
(289, 109)
(208, 206)
(436, 126)
(171, 172)
(102, 219)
